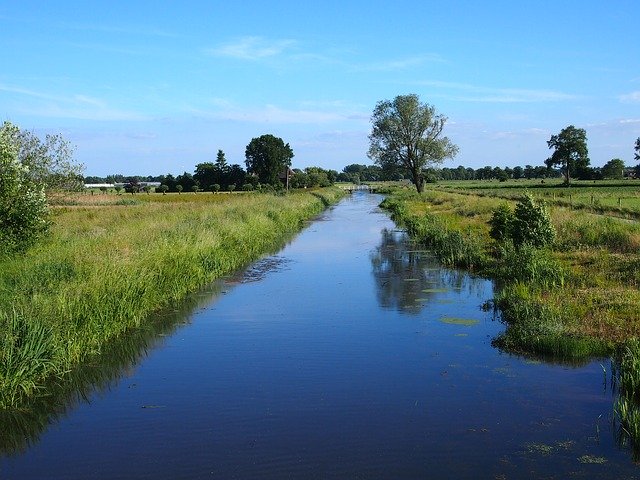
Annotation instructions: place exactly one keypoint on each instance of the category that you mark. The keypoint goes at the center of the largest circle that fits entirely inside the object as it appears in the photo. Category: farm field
(614, 197)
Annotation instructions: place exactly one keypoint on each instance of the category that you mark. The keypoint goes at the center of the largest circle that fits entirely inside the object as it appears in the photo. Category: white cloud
(252, 48)
(633, 97)
(400, 63)
(332, 112)
(80, 107)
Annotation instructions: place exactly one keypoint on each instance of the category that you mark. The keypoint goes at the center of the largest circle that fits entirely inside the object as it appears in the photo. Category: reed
(107, 267)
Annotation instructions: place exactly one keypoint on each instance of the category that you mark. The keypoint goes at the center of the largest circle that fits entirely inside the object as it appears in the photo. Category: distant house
(99, 185)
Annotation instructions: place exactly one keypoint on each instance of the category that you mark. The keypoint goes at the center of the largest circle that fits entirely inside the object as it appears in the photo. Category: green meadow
(112, 260)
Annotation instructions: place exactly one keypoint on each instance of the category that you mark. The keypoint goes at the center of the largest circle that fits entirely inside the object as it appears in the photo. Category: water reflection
(408, 278)
(23, 428)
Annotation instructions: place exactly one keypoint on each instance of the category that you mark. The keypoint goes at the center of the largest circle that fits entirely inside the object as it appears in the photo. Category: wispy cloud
(400, 63)
(474, 93)
(252, 48)
(80, 107)
(223, 110)
(633, 97)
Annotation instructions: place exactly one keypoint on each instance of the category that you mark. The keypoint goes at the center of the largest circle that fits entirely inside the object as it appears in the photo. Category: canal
(350, 354)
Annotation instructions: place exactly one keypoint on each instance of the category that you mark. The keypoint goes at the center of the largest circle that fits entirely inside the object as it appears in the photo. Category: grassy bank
(578, 298)
(112, 260)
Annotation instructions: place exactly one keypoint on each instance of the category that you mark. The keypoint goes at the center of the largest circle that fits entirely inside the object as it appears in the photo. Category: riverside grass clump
(105, 268)
(574, 298)
(626, 378)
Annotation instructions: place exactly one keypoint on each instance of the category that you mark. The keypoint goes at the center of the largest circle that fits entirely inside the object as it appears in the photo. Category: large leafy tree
(570, 152)
(268, 157)
(406, 136)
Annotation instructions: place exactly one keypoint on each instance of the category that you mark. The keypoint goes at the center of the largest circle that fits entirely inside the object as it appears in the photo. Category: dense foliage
(268, 158)
(407, 136)
(23, 205)
(570, 153)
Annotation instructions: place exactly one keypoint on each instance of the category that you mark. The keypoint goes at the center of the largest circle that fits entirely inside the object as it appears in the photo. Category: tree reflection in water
(408, 278)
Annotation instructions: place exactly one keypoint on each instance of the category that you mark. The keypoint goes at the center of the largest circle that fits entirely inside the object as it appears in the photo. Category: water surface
(349, 354)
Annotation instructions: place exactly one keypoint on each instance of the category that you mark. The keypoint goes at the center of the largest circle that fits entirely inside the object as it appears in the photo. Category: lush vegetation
(111, 260)
(577, 296)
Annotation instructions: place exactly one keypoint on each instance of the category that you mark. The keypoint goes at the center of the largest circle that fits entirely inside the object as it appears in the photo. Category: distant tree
(179, 188)
(163, 188)
(194, 188)
(636, 155)
(518, 172)
(407, 135)
(207, 173)
(103, 189)
(570, 152)
(186, 180)
(215, 188)
(221, 161)
(118, 189)
(613, 169)
(247, 187)
(268, 157)
(231, 187)
(236, 175)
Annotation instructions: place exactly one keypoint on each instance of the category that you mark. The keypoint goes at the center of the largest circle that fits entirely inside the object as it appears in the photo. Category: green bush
(23, 205)
(501, 222)
(528, 224)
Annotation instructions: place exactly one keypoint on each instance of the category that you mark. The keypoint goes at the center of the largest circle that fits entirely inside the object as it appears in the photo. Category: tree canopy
(636, 155)
(570, 152)
(268, 157)
(613, 169)
(406, 135)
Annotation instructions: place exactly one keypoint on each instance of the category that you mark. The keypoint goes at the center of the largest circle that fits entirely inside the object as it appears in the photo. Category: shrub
(23, 205)
(501, 222)
(530, 223)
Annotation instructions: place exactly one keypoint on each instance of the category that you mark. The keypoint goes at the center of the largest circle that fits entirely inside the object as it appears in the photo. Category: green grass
(578, 298)
(107, 266)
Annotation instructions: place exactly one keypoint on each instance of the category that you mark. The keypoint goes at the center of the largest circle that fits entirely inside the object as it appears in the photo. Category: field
(114, 259)
(613, 197)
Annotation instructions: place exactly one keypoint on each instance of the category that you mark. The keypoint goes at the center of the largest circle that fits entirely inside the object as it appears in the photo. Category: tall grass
(106, 268)
(627, 404)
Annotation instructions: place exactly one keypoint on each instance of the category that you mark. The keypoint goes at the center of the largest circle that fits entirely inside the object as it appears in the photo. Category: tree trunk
(418, 181)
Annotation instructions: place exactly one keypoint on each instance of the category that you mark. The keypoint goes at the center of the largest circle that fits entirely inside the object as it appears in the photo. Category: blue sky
(158, 87)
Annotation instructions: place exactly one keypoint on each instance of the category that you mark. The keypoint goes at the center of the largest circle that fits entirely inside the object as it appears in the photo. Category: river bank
(108, 265)
(578, 298)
